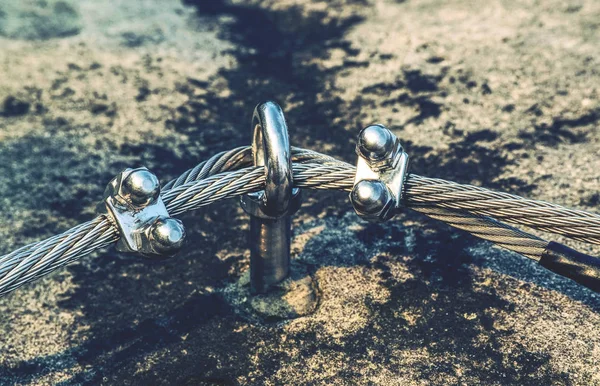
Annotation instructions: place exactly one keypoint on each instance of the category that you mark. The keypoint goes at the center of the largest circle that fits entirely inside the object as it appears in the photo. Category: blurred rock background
(502, 93)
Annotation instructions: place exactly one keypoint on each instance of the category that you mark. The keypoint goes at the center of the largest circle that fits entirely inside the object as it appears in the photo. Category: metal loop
(271, 149)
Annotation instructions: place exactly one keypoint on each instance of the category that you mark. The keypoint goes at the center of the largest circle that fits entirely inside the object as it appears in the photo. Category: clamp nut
(372, 200)
(164, 236)
(379, 147)
(140, 187)
(375, 142)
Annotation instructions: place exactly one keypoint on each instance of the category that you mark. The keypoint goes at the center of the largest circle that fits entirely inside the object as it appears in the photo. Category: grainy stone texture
(501, 93)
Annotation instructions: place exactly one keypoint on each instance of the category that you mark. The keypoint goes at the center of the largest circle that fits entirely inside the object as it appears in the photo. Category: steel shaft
(269, 251)
(270, 210)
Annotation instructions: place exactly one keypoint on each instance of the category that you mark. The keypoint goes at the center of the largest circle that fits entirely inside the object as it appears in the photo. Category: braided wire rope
(238, 158)
(487, 228)
(545, 216)
(38, 259)
(228, 174)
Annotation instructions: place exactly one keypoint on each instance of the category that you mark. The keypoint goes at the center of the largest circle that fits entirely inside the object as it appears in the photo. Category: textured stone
(502, 94)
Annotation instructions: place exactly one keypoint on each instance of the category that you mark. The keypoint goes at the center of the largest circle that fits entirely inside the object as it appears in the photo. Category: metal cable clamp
(132, 201)
(270, 209)
(381, 172)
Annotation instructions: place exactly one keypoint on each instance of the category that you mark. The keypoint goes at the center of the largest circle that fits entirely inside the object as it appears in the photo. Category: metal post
(271, 209)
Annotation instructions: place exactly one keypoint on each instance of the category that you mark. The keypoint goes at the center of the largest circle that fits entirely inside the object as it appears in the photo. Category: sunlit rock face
(502, 94)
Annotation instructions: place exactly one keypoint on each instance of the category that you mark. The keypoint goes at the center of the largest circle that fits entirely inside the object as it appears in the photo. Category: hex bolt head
(140, 188)
(166, 235)
(376, 142)
(370, 197)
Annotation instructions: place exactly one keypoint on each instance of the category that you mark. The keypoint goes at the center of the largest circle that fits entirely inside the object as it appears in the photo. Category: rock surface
(502, 93)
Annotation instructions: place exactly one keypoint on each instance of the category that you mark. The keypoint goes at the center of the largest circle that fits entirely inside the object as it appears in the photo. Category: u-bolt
(270, 210)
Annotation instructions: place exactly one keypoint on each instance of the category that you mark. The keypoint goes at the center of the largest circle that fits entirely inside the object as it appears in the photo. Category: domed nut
(163, 237)
(378, 146)
(139, 187)
(372, 200)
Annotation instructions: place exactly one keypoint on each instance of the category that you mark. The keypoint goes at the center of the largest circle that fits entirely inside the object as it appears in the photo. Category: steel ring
(271, 149)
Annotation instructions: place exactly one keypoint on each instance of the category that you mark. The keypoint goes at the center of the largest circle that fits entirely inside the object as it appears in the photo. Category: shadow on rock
(442, 311)
(165, 324)
(135, 310)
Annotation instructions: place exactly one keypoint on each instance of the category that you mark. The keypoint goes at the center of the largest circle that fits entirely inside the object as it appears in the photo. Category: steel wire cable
(433, 192)
(341, 177)
(489, 229)
(38, 259)
(545, 216)
(215, 179)
(238, 158)
(223, 161)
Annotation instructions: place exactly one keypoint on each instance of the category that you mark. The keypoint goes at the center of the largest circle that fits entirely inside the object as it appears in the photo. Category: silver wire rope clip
(381, 173)
(270, 210)
(132, 200)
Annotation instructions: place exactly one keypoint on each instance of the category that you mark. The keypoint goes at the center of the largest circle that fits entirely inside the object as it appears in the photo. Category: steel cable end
(579, 267)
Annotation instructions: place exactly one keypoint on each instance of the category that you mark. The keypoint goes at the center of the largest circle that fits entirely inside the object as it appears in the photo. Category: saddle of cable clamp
(132, 202)
(381, 172)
